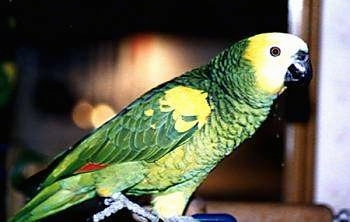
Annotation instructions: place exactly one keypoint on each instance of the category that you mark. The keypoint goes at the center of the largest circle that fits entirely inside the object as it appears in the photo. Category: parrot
(166, 142)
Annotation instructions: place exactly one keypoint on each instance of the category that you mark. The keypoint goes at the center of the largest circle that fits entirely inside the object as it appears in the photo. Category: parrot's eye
(275, 51)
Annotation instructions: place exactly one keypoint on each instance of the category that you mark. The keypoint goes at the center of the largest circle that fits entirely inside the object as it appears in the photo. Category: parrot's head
(279, 60)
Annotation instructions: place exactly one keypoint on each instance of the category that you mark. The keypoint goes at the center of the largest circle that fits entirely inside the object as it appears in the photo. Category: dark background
(70, 23)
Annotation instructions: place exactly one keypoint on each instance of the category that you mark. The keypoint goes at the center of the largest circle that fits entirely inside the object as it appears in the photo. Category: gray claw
(119, 201)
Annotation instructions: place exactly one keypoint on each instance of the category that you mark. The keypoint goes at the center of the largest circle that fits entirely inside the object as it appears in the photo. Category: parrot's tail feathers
(53, 199)
(75, 189)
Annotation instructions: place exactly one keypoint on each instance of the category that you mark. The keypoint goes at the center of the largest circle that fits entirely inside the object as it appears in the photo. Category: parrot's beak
(300, 72)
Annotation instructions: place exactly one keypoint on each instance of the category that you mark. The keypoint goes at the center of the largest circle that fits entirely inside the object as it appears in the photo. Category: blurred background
(66, 67)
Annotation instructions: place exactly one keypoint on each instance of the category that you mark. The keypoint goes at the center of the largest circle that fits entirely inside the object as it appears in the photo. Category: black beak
(300, 72)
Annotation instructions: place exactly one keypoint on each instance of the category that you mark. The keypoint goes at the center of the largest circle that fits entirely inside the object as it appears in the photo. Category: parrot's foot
(119, 201)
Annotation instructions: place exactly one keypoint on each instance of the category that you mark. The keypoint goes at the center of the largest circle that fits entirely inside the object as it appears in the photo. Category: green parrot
(166, 142)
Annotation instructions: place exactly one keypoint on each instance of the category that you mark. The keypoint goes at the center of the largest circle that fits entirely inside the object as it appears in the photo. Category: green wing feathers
(144, 131)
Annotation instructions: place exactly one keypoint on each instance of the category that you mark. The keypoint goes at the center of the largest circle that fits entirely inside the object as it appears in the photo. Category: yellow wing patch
(149, 112)
(186, 102)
